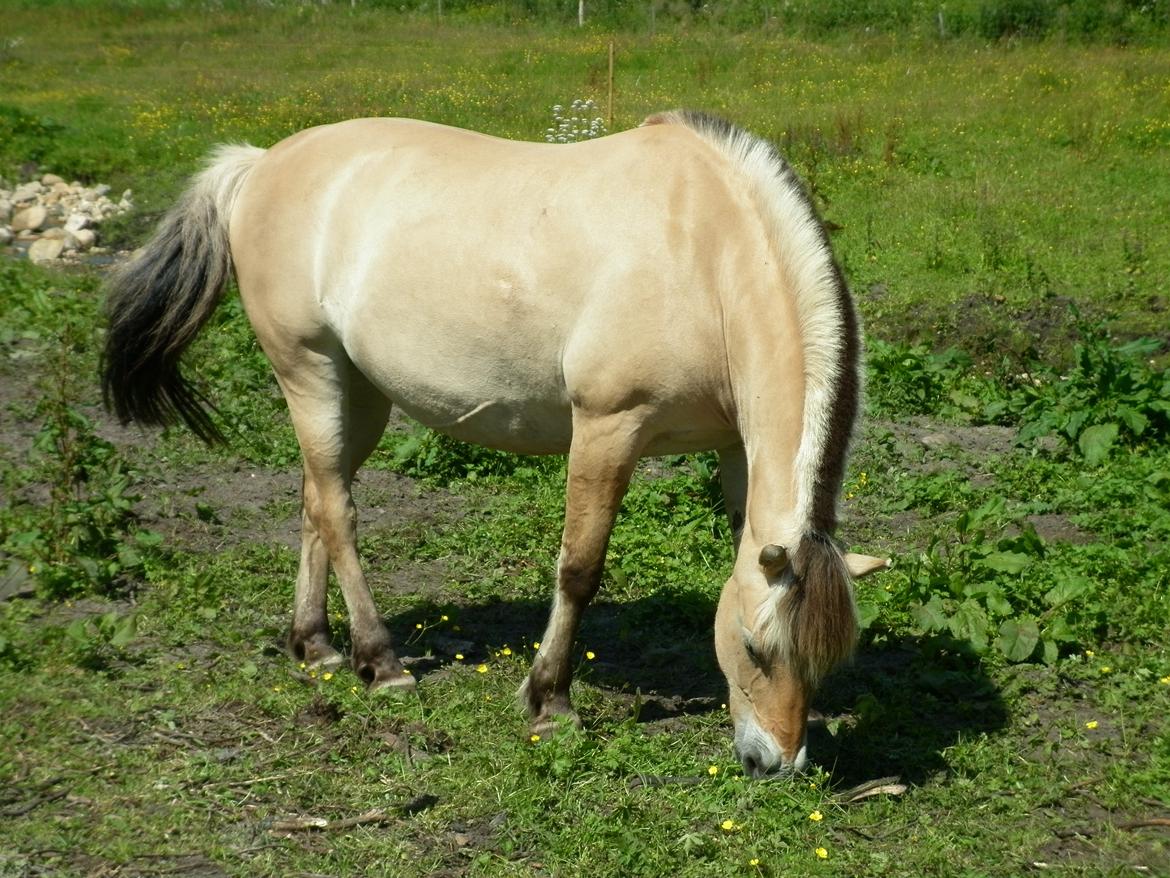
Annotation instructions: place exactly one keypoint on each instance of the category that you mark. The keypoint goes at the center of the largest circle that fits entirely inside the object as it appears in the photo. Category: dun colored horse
(663, 290)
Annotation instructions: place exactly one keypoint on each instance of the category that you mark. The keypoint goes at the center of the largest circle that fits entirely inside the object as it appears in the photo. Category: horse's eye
(753, 656)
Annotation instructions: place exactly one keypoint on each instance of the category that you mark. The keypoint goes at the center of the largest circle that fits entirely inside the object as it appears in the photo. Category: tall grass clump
(69, 514)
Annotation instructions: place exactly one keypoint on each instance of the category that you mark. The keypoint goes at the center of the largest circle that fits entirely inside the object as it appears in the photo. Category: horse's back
(487, 285)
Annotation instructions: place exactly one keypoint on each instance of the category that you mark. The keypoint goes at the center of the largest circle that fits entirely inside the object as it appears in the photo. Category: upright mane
(815, 626)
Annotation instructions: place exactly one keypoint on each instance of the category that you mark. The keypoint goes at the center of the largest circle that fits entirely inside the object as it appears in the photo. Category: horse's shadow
(894, 710)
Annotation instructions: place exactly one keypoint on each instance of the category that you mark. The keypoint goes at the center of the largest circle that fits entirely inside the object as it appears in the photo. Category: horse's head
(784, 621)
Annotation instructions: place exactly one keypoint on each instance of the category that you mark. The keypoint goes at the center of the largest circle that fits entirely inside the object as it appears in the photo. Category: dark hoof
(547, 726)
(315, 652)
(548, 713)
(385, 674)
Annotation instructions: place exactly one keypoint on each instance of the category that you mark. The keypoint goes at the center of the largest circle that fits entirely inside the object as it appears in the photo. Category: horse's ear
(773, 559)
(861, 566)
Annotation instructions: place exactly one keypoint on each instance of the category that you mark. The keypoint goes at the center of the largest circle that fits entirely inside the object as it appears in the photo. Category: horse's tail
(160, 300)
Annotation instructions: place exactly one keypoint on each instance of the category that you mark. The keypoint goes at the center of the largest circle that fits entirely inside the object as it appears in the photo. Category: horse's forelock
(810, 624)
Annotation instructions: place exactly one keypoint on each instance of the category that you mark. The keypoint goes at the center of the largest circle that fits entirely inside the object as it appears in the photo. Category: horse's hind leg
(601, 460)
(338, 417)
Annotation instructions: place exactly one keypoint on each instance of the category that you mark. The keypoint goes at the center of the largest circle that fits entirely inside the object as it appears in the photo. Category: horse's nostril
(752, 767)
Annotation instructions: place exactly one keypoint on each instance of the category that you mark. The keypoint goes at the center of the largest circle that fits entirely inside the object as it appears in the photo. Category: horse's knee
(578, 579)
(331, 515)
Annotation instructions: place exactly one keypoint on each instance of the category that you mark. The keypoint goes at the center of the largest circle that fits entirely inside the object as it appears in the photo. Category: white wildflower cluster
(576, 125)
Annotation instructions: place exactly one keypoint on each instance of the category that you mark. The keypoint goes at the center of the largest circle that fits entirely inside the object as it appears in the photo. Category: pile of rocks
(55, 219)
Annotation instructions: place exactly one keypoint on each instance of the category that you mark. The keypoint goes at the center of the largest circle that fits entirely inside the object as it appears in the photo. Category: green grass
(1014, 668)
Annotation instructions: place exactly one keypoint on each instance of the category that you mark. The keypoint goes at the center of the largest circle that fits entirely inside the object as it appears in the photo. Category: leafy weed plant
(1112, 396)
(80, 535)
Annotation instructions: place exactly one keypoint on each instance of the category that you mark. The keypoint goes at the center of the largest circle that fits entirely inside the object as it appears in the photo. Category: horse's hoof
(327, 661)
(315, 653)
(383, 672)
(549, 725)
(403, 684)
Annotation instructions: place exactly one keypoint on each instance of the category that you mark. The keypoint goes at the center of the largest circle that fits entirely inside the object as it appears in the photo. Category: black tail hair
(160, 300)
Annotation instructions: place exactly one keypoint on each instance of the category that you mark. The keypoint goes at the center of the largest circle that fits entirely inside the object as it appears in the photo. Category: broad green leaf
(931, 616)
(1050, 651)
(78, 631)
(1064, 591)
(1135, 420)
(1059, 630)
(970, 623)
(867, 613)
(1018, 638)
(1075, 421)
(1006, 562)
(1096, 441)
(124, 631)
(148, 538)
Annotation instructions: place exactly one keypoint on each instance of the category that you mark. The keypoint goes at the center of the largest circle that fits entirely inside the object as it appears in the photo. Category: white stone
(30, 218)
(55, 234)
(26, 192)
(51, 180)
(101, 189)
(83, 238)
(76, 221)
(5, 210)
(46, 250)
(5, 235)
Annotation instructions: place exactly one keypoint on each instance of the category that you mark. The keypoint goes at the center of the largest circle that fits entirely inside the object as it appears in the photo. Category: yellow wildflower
(754, 861)
(481, 669)
(1091, 724)
(534, 739)
(458, 656)
(443, 618)
(712, 770)
(728, 826)
(1089, 653)
(590, 654)
(418, 625)
(822, 854)
(1165, 681)
(536, 644)
(328, 675)
(816, 816)
(1106, 670)
(507, 650)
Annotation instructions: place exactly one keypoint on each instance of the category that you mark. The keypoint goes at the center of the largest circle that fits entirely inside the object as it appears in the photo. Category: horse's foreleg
(733, 480)
(601, 460)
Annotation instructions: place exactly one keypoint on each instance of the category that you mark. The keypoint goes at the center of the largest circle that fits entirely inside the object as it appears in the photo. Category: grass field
(1001, 210)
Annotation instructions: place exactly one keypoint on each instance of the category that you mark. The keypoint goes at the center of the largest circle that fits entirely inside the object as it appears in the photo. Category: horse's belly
(509, 425)
(467, 398)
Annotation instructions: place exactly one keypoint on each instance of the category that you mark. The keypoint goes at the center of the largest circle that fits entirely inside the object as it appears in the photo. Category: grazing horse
(664, 290)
